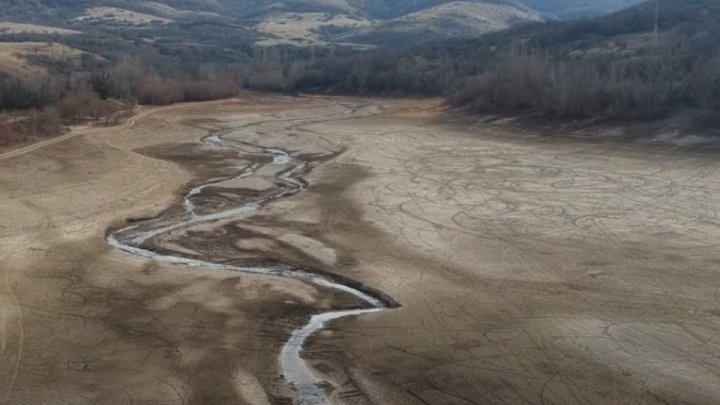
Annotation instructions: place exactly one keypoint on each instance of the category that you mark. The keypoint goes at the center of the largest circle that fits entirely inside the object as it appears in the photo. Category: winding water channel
(136, 239)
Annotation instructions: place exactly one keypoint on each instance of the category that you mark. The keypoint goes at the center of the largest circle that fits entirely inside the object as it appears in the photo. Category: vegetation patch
(302, 29)
(121, 15)
(7, 27)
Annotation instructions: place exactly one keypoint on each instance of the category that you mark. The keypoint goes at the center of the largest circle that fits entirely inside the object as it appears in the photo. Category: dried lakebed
(138, 238)
(531, 269)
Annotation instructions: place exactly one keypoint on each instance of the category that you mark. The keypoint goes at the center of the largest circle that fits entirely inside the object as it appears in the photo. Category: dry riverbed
(526, 269)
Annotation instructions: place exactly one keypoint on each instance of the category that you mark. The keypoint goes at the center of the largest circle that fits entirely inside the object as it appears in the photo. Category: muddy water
(137, 238)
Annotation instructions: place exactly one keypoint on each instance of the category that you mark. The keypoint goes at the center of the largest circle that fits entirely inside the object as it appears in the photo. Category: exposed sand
(528, 270)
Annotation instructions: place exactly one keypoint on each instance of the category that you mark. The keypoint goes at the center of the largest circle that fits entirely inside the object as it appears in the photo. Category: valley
(509, 267)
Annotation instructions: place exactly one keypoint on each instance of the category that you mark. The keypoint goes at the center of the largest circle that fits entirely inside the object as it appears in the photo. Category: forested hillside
(578, 8)
(375, 9)
(613, 66)
(223, 27)
(252, 43)
(89, 51)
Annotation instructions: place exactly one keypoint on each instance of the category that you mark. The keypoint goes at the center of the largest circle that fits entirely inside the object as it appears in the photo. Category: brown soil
(528, 269)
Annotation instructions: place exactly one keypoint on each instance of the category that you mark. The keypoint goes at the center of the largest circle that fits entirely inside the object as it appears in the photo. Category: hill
(624, 33)
(380, 21)
(612, 66)
(449, 20)
(386, 9)
(369, 46)
(566, 9)
(608, 66)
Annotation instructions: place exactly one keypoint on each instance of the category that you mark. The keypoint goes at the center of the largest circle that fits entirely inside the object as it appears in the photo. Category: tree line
(608, 67)
(44, 104)
(649, 85)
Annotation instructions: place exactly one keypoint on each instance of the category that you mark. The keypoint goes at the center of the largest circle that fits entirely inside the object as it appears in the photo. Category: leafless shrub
(264, 76)
(526, 79)
(705, 84)
(160, 92)
(168, 91)
(85, 105)
(31, 124)
(211, 89)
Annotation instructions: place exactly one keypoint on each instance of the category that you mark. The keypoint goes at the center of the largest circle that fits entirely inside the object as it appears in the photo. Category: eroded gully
(136, 240)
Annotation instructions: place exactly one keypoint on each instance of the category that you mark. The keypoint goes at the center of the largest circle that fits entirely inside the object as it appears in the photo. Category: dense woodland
(615, 66)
